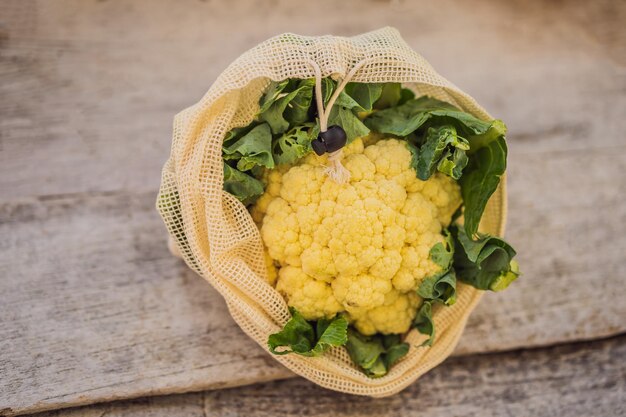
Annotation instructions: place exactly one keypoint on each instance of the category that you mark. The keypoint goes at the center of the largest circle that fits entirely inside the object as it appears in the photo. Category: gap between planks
(576, 379)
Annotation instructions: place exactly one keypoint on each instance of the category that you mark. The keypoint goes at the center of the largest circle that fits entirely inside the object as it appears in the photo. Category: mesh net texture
(216, 236)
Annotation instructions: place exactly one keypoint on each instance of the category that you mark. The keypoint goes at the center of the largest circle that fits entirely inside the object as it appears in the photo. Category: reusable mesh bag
(216, 236)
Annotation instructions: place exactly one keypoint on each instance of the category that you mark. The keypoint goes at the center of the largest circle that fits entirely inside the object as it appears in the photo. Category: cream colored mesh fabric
(215, 234)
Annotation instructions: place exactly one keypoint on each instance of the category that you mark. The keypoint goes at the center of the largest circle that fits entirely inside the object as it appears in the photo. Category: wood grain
(585, 379)
(90, 88)
(96, 308)
(120, 318)
(92, 307)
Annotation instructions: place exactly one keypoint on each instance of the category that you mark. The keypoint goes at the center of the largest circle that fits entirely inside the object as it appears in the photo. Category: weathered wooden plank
(90, 88)
(578, 380)
(96, 307)
(566, 216)
(102, 311)
(93, 307)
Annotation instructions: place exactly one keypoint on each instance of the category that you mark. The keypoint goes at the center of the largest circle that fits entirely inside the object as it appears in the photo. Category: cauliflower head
(360, 248)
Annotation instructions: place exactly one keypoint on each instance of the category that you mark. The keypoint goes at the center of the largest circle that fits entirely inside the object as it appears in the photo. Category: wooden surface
(93, 308)
(580, 380)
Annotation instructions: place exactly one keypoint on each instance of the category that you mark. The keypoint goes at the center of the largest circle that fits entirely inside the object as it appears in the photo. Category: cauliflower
(361, 248)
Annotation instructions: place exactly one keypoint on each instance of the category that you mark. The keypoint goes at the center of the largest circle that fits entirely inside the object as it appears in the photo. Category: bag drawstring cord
(335, 169)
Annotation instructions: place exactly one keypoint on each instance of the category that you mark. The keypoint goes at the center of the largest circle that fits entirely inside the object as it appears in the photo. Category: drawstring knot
(335, 169)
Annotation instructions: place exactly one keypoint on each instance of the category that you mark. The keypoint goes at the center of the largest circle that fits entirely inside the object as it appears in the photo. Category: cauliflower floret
(360, 248)
(273, 180)
(317, 261)
(312, 298)
(360, 292)
(281, 233)
(272, 272)
(447, 198)
(360, 167)
(393, 316)
(391, 157)
(416, 263)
